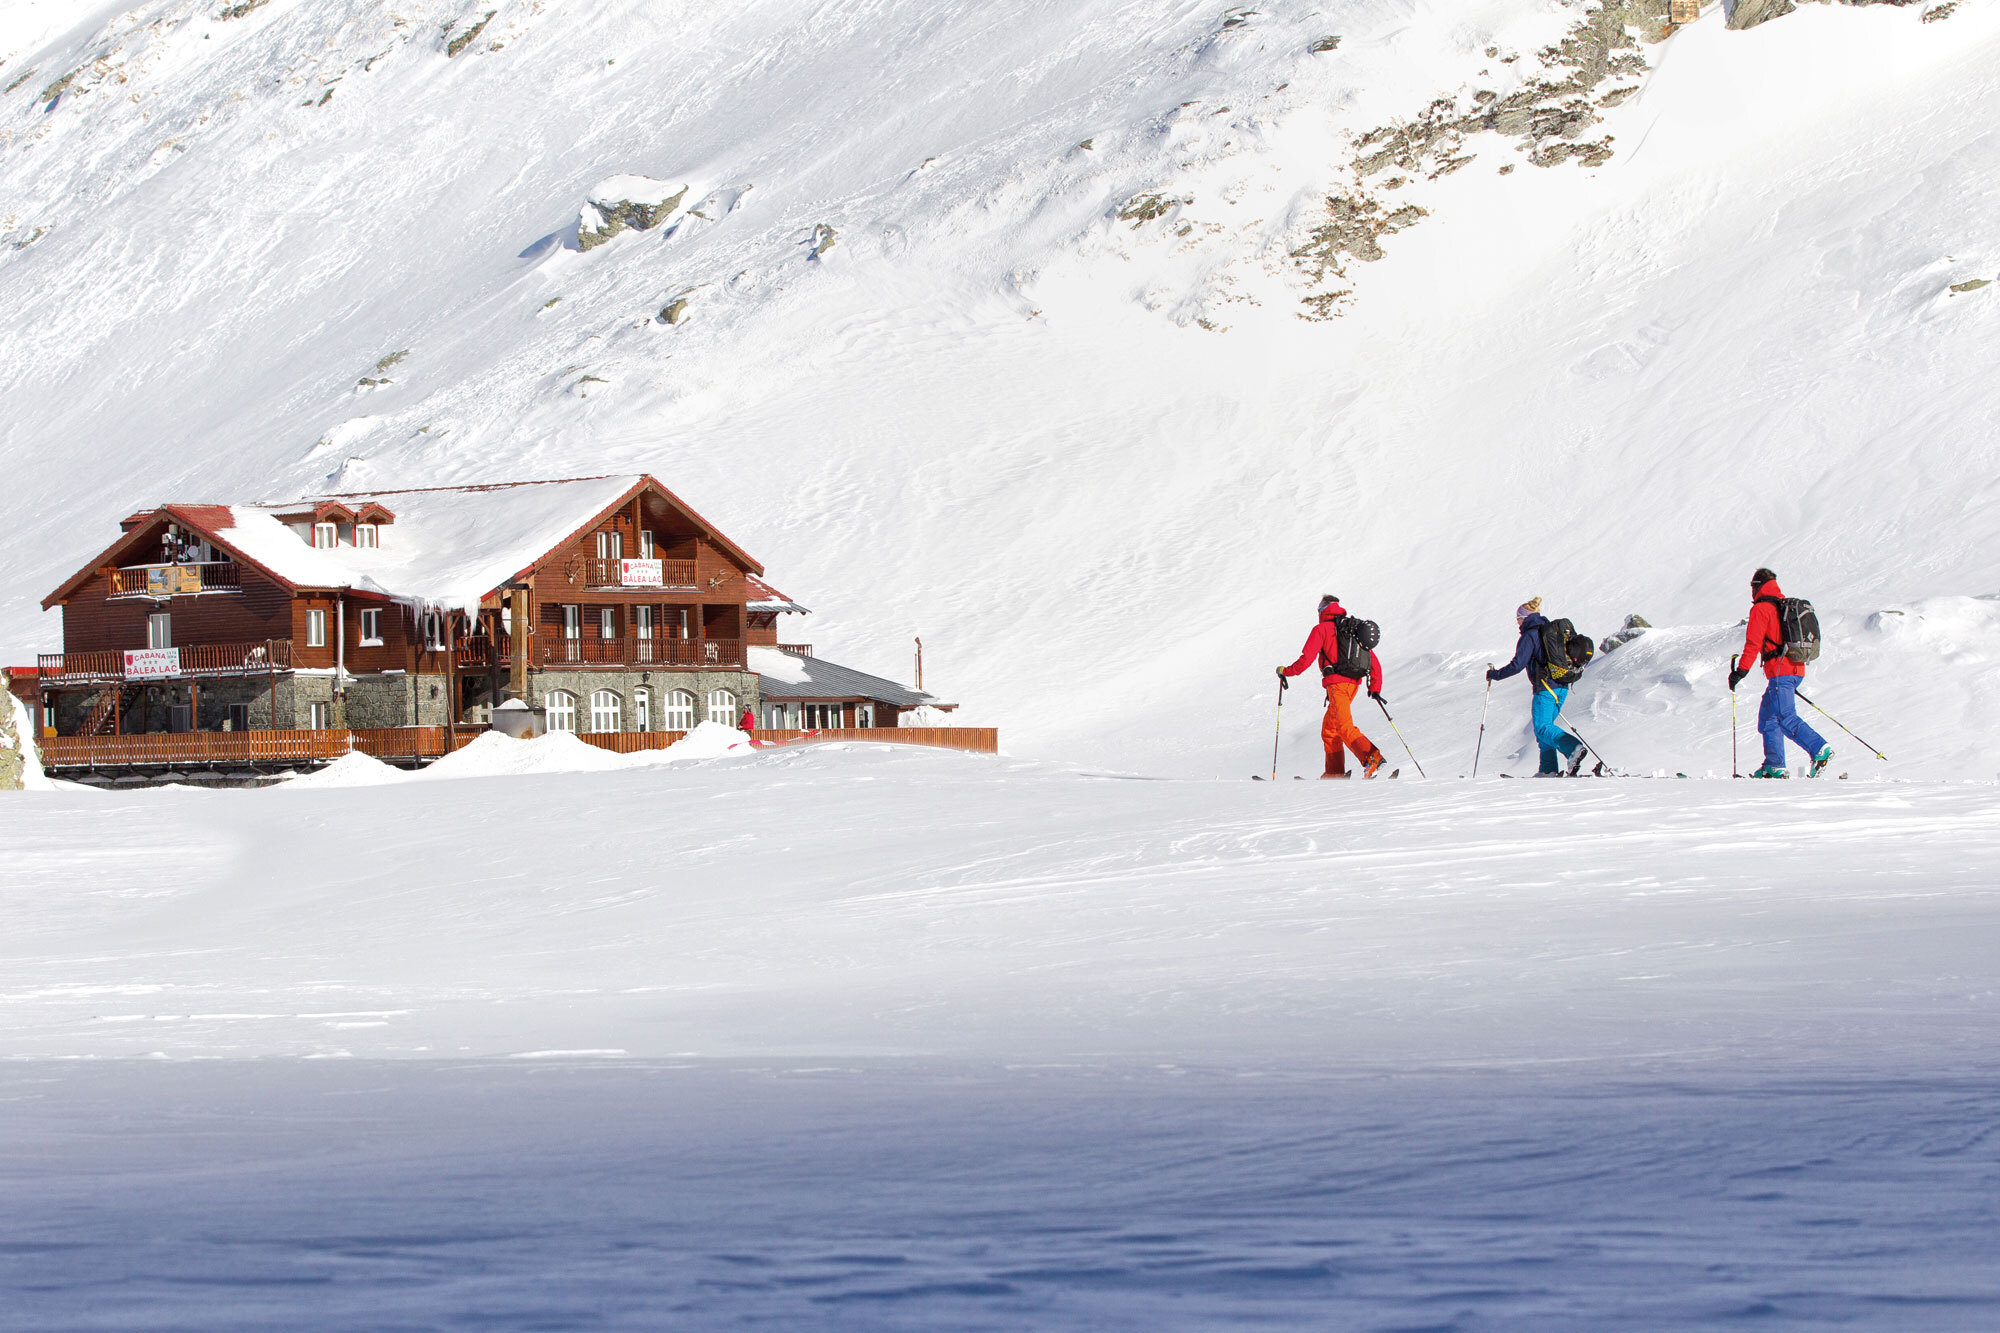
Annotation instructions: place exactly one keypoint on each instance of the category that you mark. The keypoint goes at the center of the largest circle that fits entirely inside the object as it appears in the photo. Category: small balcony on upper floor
(611, 572)
(191, 579)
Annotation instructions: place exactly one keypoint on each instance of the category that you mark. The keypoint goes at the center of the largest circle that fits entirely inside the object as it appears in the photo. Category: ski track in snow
(858, 1037)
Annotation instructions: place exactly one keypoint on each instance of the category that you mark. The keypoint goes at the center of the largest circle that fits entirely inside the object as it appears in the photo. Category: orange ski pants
(1338, 729)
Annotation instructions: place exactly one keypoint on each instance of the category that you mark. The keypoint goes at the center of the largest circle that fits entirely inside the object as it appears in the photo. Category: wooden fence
(195, 749)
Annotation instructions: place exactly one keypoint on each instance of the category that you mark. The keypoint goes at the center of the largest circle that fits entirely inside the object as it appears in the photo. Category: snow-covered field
(886, 1038)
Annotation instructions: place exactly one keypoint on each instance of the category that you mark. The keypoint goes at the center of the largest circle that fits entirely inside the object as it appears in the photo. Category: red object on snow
(1322, 640)
(1765, 635)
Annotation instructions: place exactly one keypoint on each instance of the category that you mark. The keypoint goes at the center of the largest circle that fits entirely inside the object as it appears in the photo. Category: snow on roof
(450, 545)
(786, 676)
(763, 597)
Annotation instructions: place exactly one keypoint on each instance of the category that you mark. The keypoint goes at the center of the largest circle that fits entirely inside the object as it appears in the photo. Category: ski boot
(1771, 771)
(1373, 764)
(1576, 761)
(1821, 760)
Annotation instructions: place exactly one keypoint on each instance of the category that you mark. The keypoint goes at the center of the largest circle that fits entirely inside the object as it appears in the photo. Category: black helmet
(1760, 578)
(1327, 601)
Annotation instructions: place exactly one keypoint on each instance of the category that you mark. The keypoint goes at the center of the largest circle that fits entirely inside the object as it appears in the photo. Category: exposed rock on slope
(638, 203)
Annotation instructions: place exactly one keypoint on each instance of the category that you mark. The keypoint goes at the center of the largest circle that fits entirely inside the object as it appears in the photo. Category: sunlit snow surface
(870, 1038)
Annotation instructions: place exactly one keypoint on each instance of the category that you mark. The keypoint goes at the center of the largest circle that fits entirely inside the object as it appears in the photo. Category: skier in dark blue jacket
(1549, 697)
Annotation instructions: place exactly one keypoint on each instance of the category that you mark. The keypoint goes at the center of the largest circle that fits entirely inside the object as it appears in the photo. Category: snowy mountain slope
(1028, 402)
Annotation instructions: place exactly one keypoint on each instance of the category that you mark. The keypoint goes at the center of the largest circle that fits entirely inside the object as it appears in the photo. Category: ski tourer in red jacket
(1765, 637)
(1337, 732)
(1322, 645)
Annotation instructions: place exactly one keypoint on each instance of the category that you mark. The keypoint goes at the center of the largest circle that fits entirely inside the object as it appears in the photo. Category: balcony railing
(481, 654)
(184, 580)
(605, 573)
(635, 652)
(195, 662)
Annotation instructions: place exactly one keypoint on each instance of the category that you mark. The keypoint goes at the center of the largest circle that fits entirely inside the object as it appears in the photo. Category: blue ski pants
(1778, 717)
(1552, 738)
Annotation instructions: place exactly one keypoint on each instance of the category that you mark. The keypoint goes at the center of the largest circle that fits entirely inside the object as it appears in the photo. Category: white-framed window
(316, 628)
(572, 615)
(722, 707)
(822, 717)
(642, 709)
(326, 536)
(864, 715)
(436, 627)
(561, 710)
(678, 715)
(642, 622)
(371, 628)
(367, 536)
(319, 715)
(604, 711)
(774, 716)
(610, 546)
(607, 623)
(647, 550)
(160, 630)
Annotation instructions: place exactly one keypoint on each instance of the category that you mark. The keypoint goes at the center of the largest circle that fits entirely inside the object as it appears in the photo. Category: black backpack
(1564, 652)
(1798, 626)
(1354, 638)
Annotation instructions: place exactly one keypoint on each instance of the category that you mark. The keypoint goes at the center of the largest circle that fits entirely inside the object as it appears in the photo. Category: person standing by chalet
(1778, 712)
(747, 724)
(1345, 658)
(1531, 655)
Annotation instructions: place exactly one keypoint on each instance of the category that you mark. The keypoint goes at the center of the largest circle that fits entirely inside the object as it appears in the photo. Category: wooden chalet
(397, 620)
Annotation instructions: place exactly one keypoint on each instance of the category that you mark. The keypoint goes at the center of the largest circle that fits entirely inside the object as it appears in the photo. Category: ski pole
(1735, 770)
(1482, 723)
(1283, 685)
(1843, 726)
(1579, 736)
(1399, 736)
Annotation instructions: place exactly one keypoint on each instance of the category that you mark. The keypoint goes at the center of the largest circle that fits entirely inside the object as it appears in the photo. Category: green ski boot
(1770, 771)
(1821, 760)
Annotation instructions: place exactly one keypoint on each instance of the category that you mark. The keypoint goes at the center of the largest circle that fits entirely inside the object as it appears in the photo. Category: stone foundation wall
(582, 684)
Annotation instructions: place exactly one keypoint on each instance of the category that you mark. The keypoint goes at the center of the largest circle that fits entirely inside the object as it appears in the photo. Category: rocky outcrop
(1635, 625)
(12, 763)
(1749, 13)
(626, 203)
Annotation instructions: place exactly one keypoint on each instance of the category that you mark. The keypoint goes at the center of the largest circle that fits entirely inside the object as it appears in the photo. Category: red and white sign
(641, 574)
(152, 664)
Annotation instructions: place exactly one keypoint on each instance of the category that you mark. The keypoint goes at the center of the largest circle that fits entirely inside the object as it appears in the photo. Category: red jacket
(1765, 634)
(1323, 640)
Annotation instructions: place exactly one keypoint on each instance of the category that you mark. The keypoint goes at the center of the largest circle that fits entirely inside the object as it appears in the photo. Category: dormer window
(367, 536)
(326, 536)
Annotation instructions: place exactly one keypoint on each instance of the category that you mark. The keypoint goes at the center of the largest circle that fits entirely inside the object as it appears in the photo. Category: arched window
(678, 715)
(604, 711)
(561, 706)
(722, 708)
(642, 709)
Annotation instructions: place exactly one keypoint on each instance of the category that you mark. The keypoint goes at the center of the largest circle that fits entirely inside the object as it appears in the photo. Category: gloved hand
(1736, 676)
(1376, 695)
(1284, 681)
(1491, 675)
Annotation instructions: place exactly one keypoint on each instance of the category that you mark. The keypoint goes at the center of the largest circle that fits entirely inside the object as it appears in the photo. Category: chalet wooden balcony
(637, 574)
(482, 654)
(645, 654)
(161, 581)
(202, 661)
